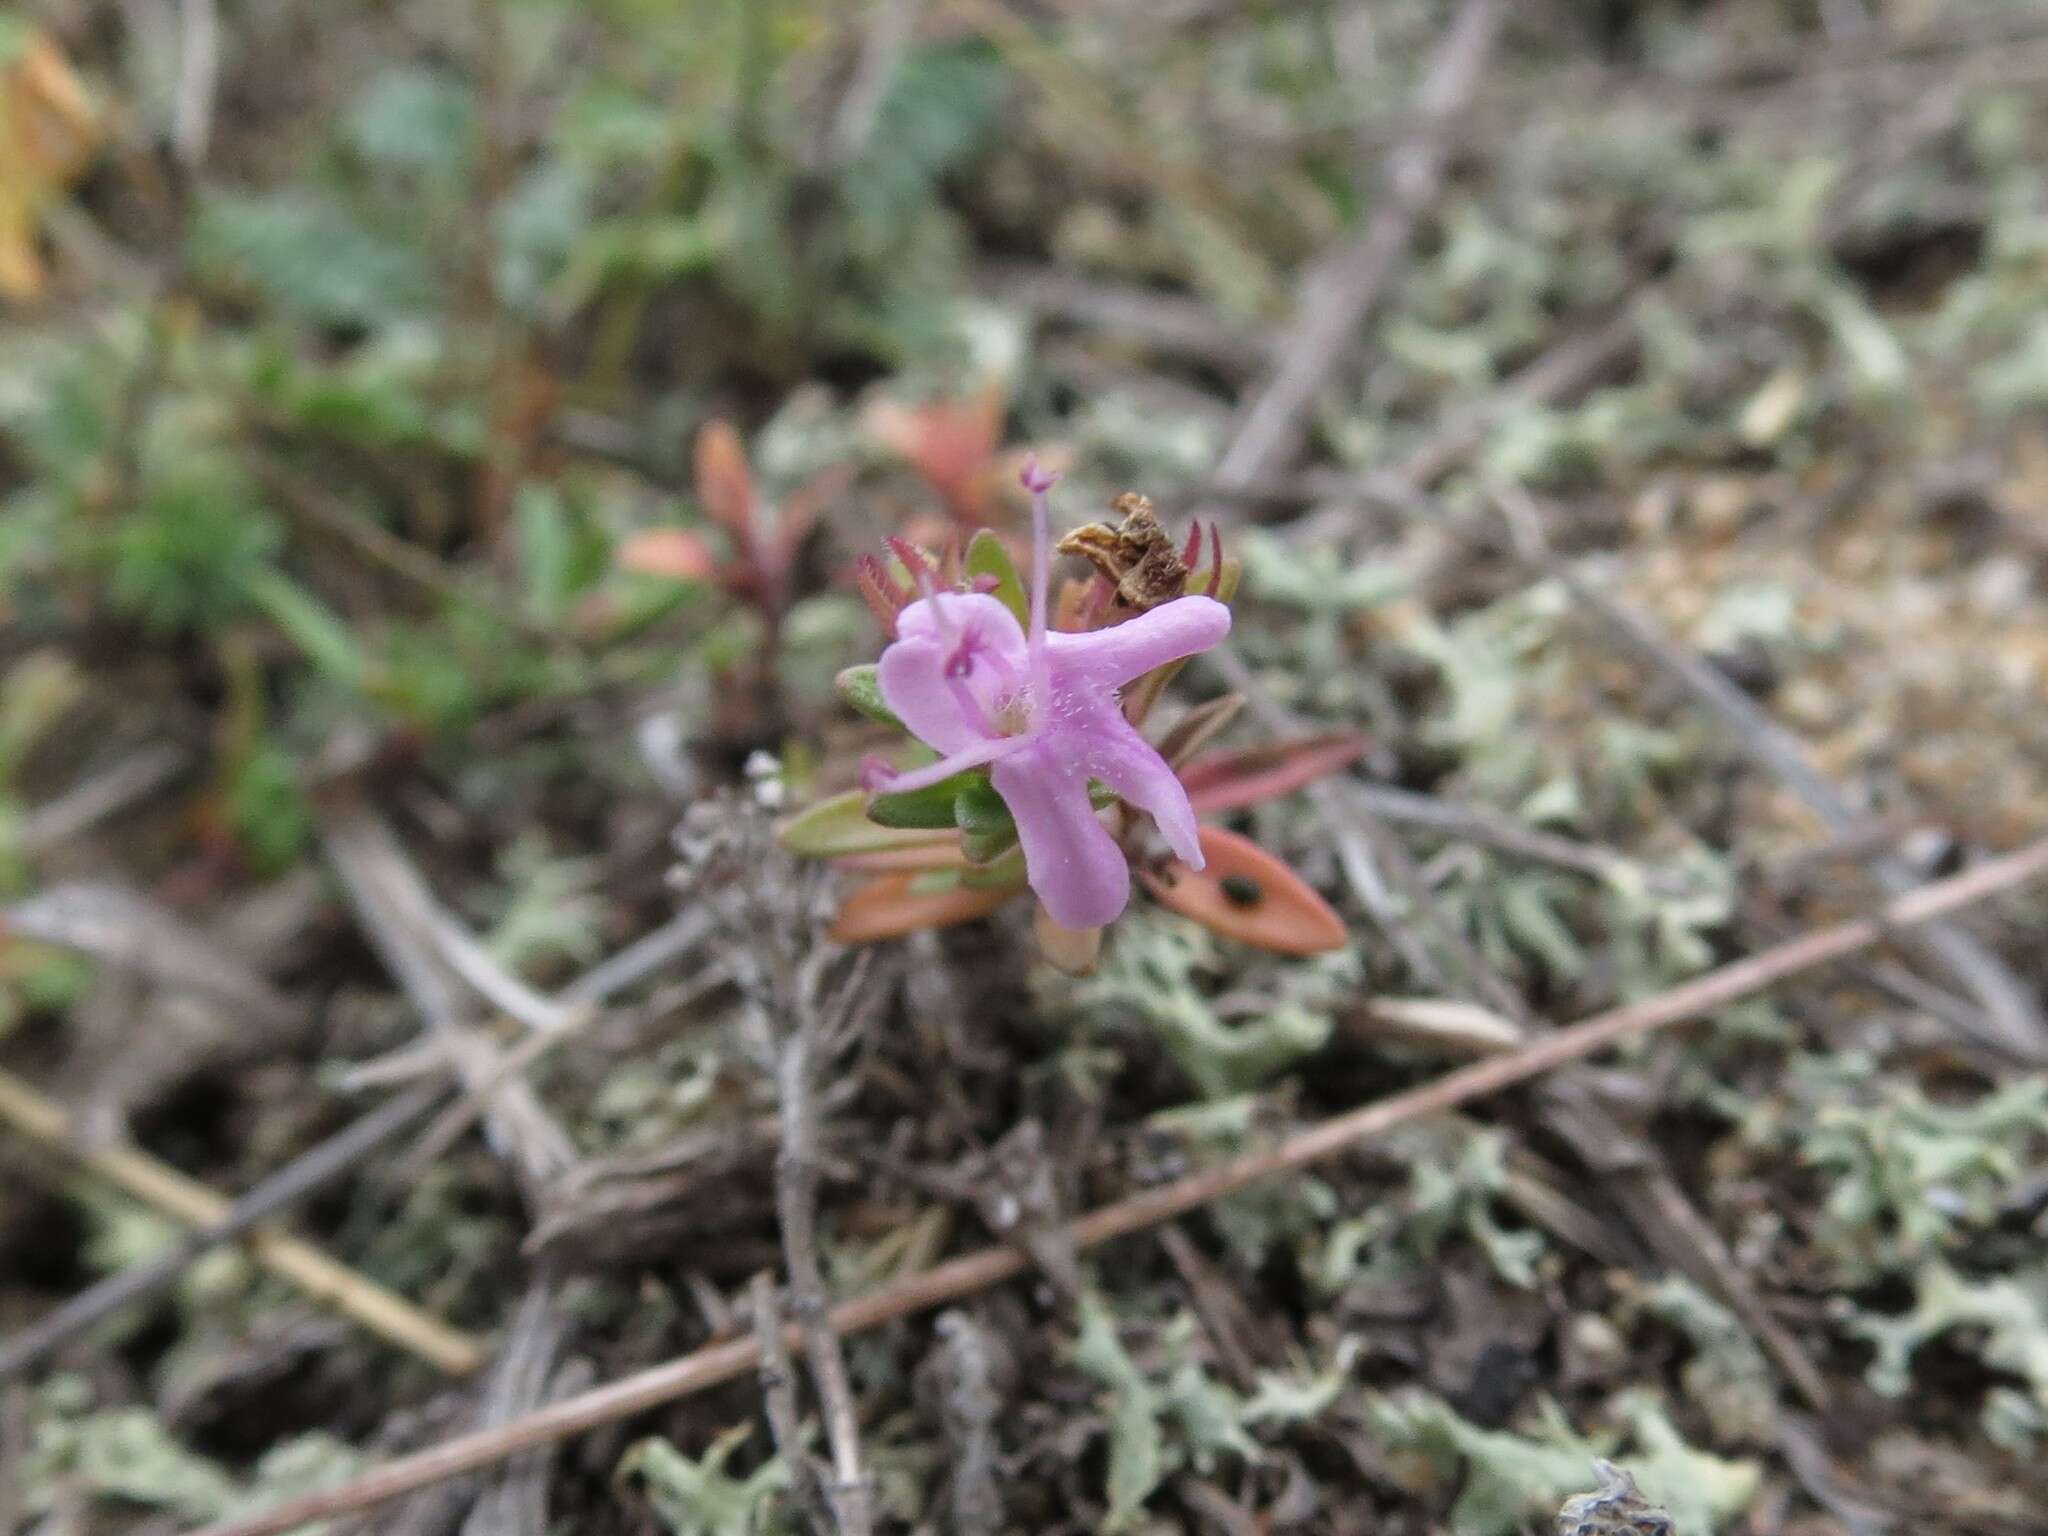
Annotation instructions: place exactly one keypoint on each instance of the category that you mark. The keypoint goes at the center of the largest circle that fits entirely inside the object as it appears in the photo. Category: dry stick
(778, 1392)
(1497, 830)
(1338, 293)
(313, 1168)
(2015, 1024)
(975, 1272)
(796, 1204)
(304, 498)
(105, 794)
(397, 913)
(312, 1271)
(198, 75)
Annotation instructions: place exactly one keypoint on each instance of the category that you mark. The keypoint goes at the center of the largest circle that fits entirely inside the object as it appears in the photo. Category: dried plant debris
(1616, 1508)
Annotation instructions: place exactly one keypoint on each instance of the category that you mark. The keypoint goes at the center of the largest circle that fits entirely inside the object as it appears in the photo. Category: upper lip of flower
(1042, 709)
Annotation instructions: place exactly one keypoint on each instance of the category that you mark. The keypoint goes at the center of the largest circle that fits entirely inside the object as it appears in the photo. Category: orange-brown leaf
(890, 907)
(672, 552)
(951, 443)
(725, 486)
(942, 852)
(1245, 893)
(49, 131)
(1226, 781)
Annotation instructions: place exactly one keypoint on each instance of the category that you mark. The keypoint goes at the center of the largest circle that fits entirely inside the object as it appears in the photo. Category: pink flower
(1042, 711)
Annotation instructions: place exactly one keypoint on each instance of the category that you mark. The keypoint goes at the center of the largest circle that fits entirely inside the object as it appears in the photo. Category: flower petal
(975, 636)
(982, 749)
(1130, 765)
(1129, 650)
(1070, 859)
(952, 613)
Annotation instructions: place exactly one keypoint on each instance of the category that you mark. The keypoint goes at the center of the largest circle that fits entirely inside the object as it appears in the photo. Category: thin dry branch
(975, 1272)
(804, 1002)
(1341, 289)
(778, 1393)
(796, 1205)
(323, 1278)
(102, 795)
(312, 1169)
(398, 914)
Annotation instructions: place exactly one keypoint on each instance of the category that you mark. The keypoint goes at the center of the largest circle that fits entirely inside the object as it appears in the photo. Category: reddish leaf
(942, 852)
(1245, 893)
(1225, 781)
(890, 907)
(952, 444)
(672, 552)
(725, 486)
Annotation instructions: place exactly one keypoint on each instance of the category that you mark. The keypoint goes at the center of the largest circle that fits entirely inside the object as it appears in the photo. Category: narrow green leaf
(986, 829)
(310, 626)
(861, 690)
(978, 808)
(930, 809)
(986, 556)
(836, 827)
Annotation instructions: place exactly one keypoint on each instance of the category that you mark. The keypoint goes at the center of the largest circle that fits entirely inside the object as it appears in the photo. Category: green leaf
(935, 114)
(309, 625)
(266, 805)
(183, 558)
(414, 119)
(987, 831)
(310, 256)
(978, 808)
(986, 556)
(860, 689)
(839, 826)
(546, 550)
(931, 808)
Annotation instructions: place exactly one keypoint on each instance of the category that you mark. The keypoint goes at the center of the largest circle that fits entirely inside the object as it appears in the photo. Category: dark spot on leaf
(1241, 890)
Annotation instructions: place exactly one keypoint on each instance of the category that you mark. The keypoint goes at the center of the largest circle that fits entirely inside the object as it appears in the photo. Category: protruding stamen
(1039, 481)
